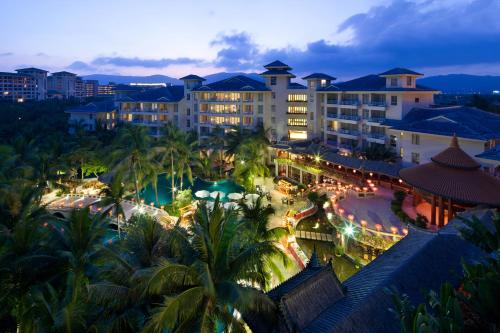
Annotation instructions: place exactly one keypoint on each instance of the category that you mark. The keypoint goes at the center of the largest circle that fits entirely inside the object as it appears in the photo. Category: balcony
(353, 118)
(376, 120)
(219, 100)
(351, 102)
(348, 131)
(331, 115)
(332, 101)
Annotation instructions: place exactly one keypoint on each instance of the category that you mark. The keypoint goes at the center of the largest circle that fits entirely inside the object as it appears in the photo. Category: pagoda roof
(452, 174)
(192, 77)
(277, 64)
(320, 76)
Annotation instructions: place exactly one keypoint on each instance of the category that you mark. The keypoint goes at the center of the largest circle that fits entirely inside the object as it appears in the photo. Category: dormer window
(323, 83)
(409, 81)
(394, 82)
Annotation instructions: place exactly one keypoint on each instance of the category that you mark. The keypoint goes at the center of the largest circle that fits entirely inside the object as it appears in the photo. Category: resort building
(17, 87)
(63, 83)
(424, 132)
(93, 115)
(40, 77)
(91, 88)
(106, 89)
(355, 111)
(153, 108)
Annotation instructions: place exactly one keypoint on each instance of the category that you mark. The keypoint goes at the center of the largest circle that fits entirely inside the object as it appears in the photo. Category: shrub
(399, 196)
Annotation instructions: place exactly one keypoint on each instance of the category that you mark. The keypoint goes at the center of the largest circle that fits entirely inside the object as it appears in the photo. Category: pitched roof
(370, 83)
(319, 76)
(32, 69)
(277, 64)
(63, 73)
(295, 85)
(490, 154)
(94, 107)
(452, 174)
(465, 122)
(192, 77)
(406, 266)
(164, 94)
(400, 71)
(234, 83)
(277, 72)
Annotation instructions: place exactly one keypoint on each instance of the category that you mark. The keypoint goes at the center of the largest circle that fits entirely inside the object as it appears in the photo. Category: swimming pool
(165, 194)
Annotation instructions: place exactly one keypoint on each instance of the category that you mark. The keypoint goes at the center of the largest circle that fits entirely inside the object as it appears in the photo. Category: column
(450, 210)
(433, 210)
(276, 168)
(286, 170)
(441, 212)
(300, 175)
(317, 178)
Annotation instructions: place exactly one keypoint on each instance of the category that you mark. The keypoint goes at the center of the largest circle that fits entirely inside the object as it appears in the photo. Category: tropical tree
(133, 154)
(204, 164)
(217, 142)
(250, 162)
(114, 195)
(214, 278)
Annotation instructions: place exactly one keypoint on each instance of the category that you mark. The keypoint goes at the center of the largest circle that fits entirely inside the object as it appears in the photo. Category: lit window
(297, 122)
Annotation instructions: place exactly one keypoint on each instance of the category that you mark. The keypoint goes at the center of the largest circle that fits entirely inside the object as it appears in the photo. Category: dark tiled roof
(31, 69)
(63, 73)
(452, 174)
(421, 260)
(295, 85)
(381, 167)
(465, 122)
(166, 94)
(369, 83)
(192, 77)
(12, 74)
(277, 72)
(319, 76)
(277, 64)
(235, 83)
(94, 107)
(400, 71)
(491, 154)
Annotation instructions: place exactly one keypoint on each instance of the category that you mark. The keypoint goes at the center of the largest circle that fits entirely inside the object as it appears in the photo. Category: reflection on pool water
(165, 184)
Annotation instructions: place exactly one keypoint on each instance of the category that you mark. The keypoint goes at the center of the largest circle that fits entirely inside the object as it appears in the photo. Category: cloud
(81, 66)
(146, 63)
(402, 33)
(6, 54)
(237, 53)
(41, 54)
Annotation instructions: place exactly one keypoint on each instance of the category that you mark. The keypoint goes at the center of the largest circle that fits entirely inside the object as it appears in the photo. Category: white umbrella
(235, 196)
(202, 194)
(252, 197)
(210, 205)
(214, 194)
(230, 205)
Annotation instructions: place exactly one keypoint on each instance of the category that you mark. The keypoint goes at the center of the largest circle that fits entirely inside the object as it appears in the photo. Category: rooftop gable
(277, 64)
(320, 76)
(400, 71)
(192, 77)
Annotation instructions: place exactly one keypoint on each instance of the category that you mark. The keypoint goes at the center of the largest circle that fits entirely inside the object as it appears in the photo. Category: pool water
(165, 184)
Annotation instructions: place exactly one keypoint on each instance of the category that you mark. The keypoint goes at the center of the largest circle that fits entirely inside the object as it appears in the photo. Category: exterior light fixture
(349, 230)
(317, 158)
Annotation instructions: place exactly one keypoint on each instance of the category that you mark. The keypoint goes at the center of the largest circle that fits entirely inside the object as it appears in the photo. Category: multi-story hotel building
(63, 83)
(17, 87)
(91, 88)
(92, 115)
(40, 77)
(356, 111)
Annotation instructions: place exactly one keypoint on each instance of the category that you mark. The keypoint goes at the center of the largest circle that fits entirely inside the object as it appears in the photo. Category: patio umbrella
(214, 194)
(235, 196)
(252, 197)
(230, 205)
(202, 194)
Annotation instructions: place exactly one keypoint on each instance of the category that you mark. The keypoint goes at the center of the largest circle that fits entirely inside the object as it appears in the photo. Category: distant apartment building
(40, 77)
(91, 88)
(80, 88)
(17, 87)
(92, 115)
(64, 84)
(106, 89)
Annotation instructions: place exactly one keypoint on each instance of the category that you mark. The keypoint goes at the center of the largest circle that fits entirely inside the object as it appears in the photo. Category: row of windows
(297, 97)
(297, 122)
(297, 109)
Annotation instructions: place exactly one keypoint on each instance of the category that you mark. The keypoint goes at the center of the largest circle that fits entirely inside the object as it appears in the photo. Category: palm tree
(204, 164)
(217, 143)
(204, 288)
(114, 195)
(258, 226)
(250, 162)
(133, 153)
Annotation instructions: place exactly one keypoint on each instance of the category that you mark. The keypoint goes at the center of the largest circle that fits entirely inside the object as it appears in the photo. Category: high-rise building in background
(40, 77)
(62, 84)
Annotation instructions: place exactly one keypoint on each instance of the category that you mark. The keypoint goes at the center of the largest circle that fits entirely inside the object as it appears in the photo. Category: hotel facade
(348, 116)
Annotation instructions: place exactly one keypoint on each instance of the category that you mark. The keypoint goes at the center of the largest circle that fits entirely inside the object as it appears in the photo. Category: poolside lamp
(349, 230)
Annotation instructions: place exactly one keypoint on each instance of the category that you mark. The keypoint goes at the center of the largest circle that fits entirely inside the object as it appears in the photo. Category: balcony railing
(349, 102)
(331, 115)
(379, 104)
(375, 119)
(377, 136)
(348, 131)
(332, 101)
(214, 99)
(349, 117)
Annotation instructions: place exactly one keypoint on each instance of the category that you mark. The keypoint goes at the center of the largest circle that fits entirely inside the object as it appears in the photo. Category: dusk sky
(339, 37)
